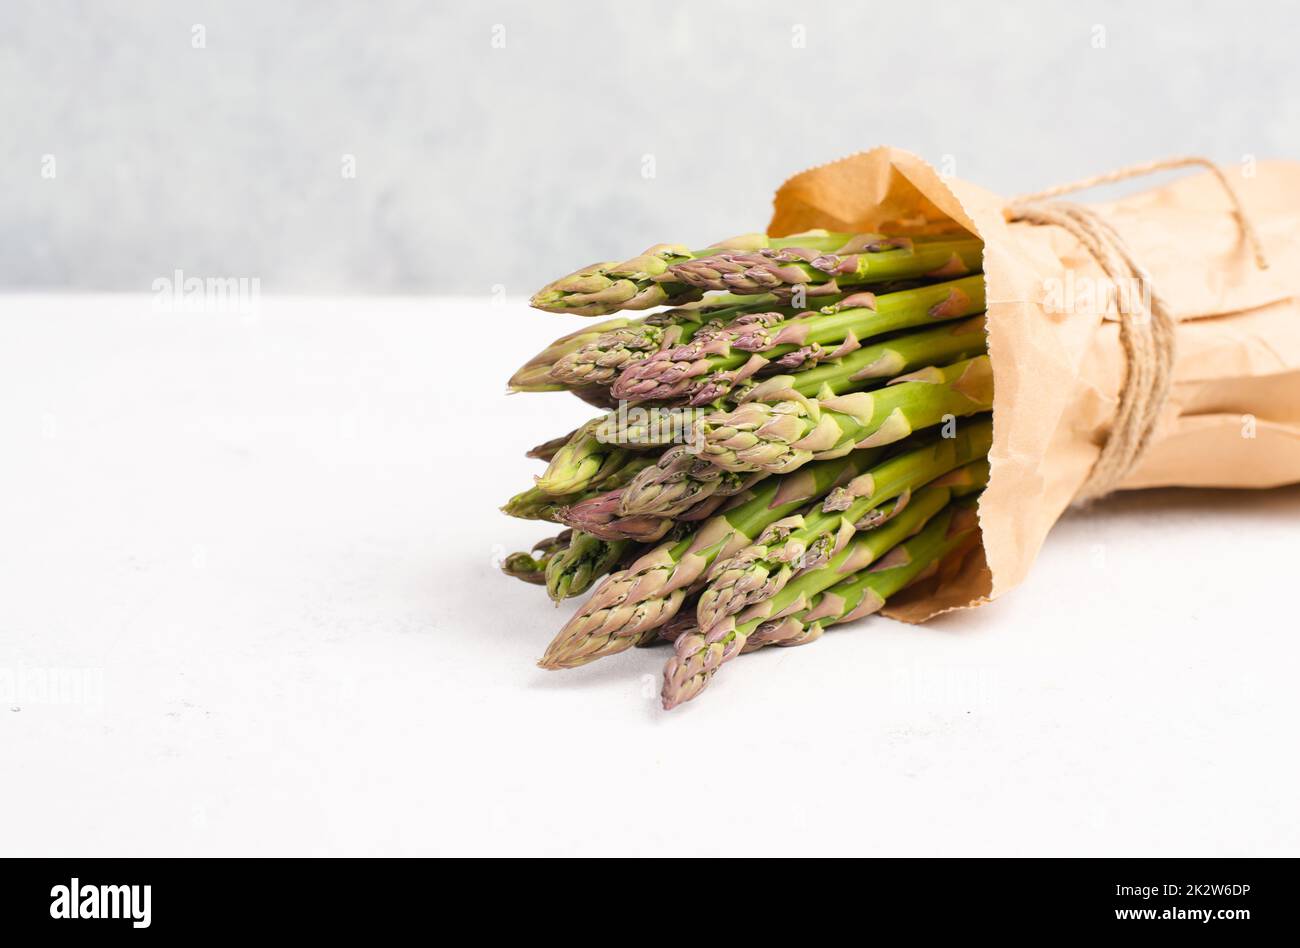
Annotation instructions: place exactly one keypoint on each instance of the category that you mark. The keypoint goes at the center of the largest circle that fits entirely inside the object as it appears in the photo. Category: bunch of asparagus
(803, 434)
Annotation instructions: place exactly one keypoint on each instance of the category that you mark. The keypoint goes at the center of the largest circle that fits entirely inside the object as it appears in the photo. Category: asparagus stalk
(777, 429)
(799, 543)
(916, 565)
(682, 478)
(585, 461)
(855, 584)
(642, 282)
(531, 566)
(633, 602)
(603, 515)
(599, 361)
(865, 594)
(599, 517)
(572, 570)
(873, 364)
(535, 374)
(605, 446)
(677, 482)
(678, 625)
(703, 371)
(604, 354)
(872, 258)
(716, 642)
(535, 504)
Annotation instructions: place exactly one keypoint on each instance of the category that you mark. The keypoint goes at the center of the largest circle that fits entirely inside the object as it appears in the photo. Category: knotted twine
(1146, 325)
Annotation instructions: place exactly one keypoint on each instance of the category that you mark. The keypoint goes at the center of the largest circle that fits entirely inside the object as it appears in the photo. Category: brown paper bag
(1233, 414)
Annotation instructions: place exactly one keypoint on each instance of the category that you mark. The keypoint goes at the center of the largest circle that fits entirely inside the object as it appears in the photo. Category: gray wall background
(478, 165)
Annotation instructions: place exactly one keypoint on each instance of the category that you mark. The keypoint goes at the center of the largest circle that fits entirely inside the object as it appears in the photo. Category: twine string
(1146, 323)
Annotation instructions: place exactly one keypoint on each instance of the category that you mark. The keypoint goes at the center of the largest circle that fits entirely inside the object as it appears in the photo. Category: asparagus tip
(560, 662)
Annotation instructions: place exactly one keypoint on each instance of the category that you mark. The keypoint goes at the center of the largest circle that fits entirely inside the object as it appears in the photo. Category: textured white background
(267, 544)
(479, 166)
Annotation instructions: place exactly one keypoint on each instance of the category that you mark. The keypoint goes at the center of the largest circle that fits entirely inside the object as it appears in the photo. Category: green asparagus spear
(860, 580)
(639, 599)
(531, 567)
(535, 504)
(874, 259)
(641, 283)
(777, 429)
(572, 570)
(704, 370)
(603, 355)
(804, 542)
(535, 374)
(682, 478)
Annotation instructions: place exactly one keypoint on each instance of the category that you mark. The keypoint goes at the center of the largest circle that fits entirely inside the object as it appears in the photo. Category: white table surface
(248, 605)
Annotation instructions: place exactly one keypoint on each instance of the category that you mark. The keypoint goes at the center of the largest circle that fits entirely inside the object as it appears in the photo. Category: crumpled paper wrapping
(1233, 414)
